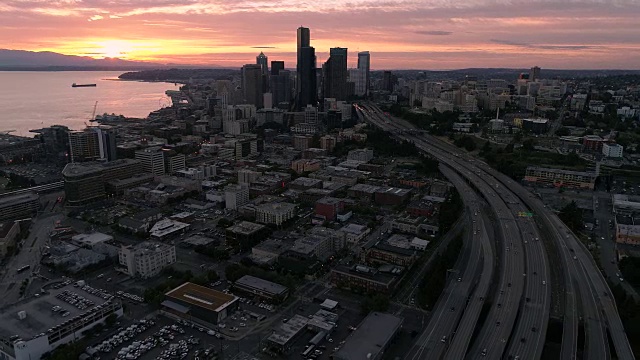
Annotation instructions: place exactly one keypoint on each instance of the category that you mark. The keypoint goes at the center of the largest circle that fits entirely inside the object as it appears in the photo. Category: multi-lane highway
(436, 338)
(521, 305)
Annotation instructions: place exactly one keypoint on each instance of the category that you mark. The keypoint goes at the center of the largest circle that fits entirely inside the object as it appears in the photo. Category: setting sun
(113, 49)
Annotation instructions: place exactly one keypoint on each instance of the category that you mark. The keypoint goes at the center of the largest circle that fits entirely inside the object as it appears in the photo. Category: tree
(212, 275)
(563, 131)
(571, 215)
(111, 320)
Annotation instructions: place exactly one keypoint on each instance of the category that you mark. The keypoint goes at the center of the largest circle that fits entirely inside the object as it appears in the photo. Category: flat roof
(201, 296)
(95, 166)
(17, 199)
(562, 171)
(40, 317)
(287, 331)
(92, 239)
(371, 337)
(166, 227)
(261, 284)
(394, 191)
(245, 227)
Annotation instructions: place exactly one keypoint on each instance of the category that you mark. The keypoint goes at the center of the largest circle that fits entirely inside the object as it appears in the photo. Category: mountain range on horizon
(24, 60)
(48, 60)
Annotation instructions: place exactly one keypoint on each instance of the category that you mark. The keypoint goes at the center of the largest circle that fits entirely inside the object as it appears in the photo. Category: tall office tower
(364, 63)
(534, 74)
(304, 38)
(306, 80)
(252, 84)
(359, 80)
(306, 88)
(389, 81)
(281, 87)
(335, 74)
(263, 61)
(276, 66)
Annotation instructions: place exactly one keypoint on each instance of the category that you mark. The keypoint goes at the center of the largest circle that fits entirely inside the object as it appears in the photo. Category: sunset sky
(400, 34)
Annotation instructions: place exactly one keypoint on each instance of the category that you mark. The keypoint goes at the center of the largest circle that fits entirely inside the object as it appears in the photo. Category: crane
(93, 115)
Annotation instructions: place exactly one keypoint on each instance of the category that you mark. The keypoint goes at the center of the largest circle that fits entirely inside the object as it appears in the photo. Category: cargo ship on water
(83, 85)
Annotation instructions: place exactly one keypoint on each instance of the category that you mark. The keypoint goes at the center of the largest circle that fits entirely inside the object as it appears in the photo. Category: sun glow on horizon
(113, 49)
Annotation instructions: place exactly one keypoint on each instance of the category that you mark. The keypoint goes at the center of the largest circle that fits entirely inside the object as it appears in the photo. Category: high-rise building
(389, 81)
(335, 74)
(306, 88)
(174, 162)
(280, 87)
(93, 143)
(236, 195)
(151, 160)
(276, 66)
(359, 78)
(304, 37)
(263, 61)
(364, 64)
(252, 84)
(84, 146)
(534, 74)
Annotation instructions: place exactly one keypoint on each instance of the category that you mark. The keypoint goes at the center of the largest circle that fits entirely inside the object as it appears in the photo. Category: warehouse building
(266, 290)
(371, 338)
(35, 326)
(198, 303)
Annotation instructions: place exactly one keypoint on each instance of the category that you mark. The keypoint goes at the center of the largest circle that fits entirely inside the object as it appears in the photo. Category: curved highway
(581, 268)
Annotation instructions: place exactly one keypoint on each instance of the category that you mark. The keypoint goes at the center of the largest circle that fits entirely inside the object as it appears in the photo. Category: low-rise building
(560, 177)
(371, 338)
(245, 234)
(198, 303)
(90, 240)
(236, 195)
(146, 259)
(364, 155)
(363, 192)
(392, 196)
(363, 278)
(9, 231)
(167, 228)
(15, 207)
(314, 247)
(275, 213)
(31, 327)
(354, 233)
(383, 252)
(612, 150)
(266, 290)
(284, 335)
(329, 208)
(305, 183)
(267, 252)
(306, 165)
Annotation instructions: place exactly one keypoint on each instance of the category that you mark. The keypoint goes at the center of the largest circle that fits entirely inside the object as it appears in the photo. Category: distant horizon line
(145, 67)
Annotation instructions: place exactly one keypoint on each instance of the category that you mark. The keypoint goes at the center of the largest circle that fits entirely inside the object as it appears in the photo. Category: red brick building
(329, 208)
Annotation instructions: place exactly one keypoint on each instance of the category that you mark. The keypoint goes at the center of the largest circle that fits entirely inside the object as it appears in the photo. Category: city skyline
(412, 34)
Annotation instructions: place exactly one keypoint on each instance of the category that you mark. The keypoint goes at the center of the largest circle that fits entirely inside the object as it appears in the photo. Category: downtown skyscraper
(364, 64)
(335, 75)
(306, 87)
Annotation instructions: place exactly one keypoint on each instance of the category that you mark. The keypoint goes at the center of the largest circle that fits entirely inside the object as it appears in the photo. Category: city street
(30, 254)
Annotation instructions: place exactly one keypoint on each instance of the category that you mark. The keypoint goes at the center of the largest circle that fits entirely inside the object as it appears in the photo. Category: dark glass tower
(306, 92)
